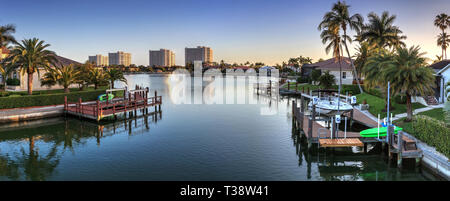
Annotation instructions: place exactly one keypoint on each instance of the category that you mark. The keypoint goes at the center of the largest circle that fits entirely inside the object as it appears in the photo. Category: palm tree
(6, 35)
(373, 69)
(364, 51)
(339, 16)
(98, 78)
(84, 70)
(442, 21)
(443, 40)
(408, 75)
(64, 76)
(30, 55)
(114, 74)
(5, 69)
(381, 33)
(331, 35)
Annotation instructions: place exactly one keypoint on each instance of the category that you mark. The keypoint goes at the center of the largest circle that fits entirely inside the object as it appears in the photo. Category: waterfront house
(332, 65)
(37, 77)
(442, 73)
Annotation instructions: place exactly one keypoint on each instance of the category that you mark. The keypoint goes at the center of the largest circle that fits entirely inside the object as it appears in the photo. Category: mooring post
(288, 85)
(310, 125)
(294, 104)
(400, 149)
(351, 118)
(155, 102)
(296, 86)
(81, 107)
(302, 103)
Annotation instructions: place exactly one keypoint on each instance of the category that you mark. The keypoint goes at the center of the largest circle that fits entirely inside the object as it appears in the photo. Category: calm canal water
(183, 142)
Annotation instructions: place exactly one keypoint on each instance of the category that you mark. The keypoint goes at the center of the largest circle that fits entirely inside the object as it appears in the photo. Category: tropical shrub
(13, 82)
(303, 79)
(326, 80)
(433, 132)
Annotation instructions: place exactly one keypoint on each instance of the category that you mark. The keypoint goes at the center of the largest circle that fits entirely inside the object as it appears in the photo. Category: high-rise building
(200, 53)
(99, 60)
(119, 58)
(162, 57)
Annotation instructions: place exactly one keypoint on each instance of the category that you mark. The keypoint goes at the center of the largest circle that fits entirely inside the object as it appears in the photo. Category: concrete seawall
(25, 114)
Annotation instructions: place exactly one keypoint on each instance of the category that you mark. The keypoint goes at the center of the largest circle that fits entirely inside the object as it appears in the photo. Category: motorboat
(329, 106)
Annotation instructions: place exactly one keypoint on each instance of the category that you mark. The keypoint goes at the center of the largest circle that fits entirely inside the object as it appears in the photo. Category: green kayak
(373, 132)
(103, 97)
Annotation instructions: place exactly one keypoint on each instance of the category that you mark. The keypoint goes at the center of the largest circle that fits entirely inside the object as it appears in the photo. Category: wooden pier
(137, 99)
(329, 136)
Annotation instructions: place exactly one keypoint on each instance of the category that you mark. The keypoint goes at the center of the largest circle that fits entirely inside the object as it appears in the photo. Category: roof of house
(331, 64)
(65, 61)
(440, 66)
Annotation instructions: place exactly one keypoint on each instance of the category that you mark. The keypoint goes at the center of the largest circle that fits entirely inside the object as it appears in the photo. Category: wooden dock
(137, 100)
(324, 136)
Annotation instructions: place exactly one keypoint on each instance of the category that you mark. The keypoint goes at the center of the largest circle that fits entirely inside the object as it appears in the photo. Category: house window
(344, 75)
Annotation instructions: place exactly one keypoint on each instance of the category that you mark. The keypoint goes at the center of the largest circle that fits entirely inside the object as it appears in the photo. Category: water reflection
(33, 152)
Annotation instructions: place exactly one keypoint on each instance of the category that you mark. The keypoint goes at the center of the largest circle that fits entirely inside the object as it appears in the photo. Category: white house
(442, 73)
(334, 67)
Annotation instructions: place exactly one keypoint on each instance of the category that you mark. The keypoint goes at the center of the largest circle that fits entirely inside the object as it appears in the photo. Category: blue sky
(237, 30)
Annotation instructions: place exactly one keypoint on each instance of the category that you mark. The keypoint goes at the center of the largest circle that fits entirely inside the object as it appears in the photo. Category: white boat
(329, 106)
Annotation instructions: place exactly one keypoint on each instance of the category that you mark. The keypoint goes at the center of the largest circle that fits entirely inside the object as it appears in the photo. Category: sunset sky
(236, 30)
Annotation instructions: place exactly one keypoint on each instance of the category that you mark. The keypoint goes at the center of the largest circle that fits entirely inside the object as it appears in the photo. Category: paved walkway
(416, 111)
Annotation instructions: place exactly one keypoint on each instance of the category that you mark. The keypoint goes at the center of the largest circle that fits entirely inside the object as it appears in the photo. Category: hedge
(49, 99)
(433, 132)
(351, 89)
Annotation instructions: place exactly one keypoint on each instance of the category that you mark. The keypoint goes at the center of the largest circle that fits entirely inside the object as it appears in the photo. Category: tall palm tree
(98, 78)
(64, 76)
(114, 74)
(442, 21)
(339, 16)
(443, 40)
(331, 36)
(408, 75)
(381, 33)
(6, 36)
(30, 55)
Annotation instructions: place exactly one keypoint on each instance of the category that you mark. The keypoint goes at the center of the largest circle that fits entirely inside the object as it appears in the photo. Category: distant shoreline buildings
(162, 57)
(199, 53)
(119, 58)
(99, 60)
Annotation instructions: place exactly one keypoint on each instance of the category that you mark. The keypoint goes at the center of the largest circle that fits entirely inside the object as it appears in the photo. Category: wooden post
(400, 149)
(288, 85)
(114, 111)
(156, 95)
(97, 109)
(65, 103)
(310, 123)
(296, 86)
(351, 118)
(81, 107)
(302, 103)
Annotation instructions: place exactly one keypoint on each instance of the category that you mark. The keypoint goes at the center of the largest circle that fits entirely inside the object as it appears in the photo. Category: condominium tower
(119, 58)
(200, 53)
(99, 60)
(162, 57)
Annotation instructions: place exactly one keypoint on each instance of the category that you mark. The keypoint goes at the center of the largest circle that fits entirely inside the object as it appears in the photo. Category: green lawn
(377, 105)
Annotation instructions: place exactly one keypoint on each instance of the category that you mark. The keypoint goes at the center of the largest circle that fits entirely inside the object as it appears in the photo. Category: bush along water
(433, 132)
